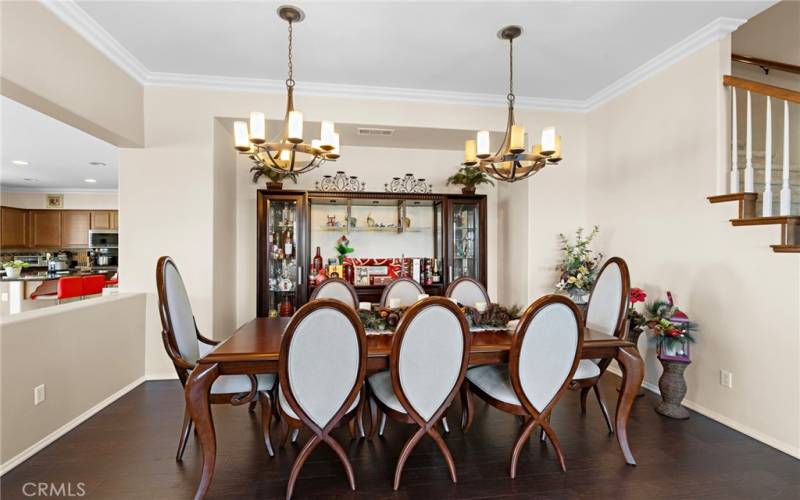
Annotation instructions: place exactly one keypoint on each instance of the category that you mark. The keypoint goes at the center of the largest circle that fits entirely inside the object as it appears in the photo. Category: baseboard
(722, 419)
(32, 450)
(162, 376)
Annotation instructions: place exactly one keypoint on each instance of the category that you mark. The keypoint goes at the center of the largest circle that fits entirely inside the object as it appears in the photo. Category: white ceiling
(58, 155)
(570, 50)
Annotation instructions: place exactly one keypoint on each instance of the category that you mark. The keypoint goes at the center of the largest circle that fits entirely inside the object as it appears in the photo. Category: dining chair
(467, 291)
(545, 352)
(185, 345)
(404, 289)
(430, 353)
(321, 367)
(606, 312)
(336, 288)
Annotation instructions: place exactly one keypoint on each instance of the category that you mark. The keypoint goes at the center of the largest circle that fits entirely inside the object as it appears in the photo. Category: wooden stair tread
(786, 248)
(721, 198)
(761, 221)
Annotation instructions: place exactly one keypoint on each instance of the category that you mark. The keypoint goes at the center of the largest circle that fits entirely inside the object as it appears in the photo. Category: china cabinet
(430, 237)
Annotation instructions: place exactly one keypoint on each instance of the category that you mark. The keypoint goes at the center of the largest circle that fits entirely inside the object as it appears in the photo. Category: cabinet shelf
(384, 229)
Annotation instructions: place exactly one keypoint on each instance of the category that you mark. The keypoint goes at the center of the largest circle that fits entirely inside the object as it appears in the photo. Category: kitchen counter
(48, 276)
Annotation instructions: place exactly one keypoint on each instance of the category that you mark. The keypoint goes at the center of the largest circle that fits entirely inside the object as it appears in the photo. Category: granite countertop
(48, 276)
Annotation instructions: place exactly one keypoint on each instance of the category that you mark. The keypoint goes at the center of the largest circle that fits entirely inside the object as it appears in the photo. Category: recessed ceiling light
(97, 164)
(90, 181)
(20, 162)
(30, 179)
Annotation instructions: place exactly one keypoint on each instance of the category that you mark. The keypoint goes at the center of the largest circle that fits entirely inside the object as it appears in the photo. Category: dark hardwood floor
(127, 451)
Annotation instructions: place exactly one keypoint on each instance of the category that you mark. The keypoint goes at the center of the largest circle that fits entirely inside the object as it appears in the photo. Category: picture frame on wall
(54, 201)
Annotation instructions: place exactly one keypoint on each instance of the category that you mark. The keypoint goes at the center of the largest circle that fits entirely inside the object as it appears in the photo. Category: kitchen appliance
(59, 262)
(103, 238)
(32, 260)
(103, 257)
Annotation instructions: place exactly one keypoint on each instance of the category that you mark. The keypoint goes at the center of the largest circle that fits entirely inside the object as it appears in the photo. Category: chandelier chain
(511, 71)
(290, 80)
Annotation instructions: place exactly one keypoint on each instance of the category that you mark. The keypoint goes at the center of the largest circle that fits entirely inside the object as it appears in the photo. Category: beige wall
(75, 84)
(657, 148)
(226, 175)
(72, 201)
(84, 352)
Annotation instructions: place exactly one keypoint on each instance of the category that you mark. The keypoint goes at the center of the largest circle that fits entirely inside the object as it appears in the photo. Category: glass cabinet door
(465, 237)
(282, 257)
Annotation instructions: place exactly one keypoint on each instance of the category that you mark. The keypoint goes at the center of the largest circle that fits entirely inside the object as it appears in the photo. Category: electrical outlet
(38, 395)
(726, 379)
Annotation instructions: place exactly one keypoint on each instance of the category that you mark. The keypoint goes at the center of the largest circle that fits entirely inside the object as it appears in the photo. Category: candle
(483, 144)
(326, 134)
(517, 139)
(394, 303)
(334, 152)
(258, 128)
(365, 306)
(470, 152)
(295, 131)
(480, 306)
(240, 136)
(548, 140)
(422, 296)
(285, 155)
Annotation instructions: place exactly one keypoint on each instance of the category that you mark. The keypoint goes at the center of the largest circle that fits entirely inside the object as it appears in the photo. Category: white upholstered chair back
(405, 289)
(178, 313)
(468, 292)
(548, 352)
(336, 289)
(323, 360)
(431, 355)
(609, 298)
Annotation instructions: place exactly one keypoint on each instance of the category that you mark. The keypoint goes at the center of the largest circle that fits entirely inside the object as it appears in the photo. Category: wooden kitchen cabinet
(114, 219)
(46, 228)
(14, 228)
(75, 226)
(101, 219)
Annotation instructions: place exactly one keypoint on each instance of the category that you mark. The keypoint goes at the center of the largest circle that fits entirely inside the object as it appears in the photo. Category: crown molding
(85, 25)
(708, 34)
(76, 18)
(55, 190)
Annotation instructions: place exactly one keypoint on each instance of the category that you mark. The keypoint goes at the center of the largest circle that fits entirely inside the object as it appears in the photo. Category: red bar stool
(93, 285)
(69, 288)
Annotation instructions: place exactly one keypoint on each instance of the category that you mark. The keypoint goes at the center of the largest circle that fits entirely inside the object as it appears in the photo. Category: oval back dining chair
(185, 346)
(544, 355)
(467, 291)
(321, 368)
(606, 313)
(430, 353)
(406, 290)
(336, 288)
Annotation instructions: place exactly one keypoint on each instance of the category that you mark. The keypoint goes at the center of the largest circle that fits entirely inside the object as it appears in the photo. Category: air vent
(375, 131)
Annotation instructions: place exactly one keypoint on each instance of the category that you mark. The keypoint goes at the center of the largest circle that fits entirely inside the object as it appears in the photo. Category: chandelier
(512, 162)
(286, 153)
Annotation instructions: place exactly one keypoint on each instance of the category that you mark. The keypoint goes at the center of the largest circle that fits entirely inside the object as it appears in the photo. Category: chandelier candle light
(511, 162)
(286, 154)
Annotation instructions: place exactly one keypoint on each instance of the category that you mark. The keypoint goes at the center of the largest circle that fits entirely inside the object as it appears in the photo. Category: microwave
(103, 238)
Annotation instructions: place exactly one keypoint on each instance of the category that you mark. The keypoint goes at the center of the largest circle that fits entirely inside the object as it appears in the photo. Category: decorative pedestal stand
(673, 388)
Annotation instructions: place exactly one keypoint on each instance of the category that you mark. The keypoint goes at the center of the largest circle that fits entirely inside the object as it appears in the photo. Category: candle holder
(340, 183)
(408, 184)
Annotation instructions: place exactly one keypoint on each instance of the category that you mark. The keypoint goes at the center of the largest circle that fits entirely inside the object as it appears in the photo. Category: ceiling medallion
(340, 183)
(511, 162)
(408, 184)
(287, 153)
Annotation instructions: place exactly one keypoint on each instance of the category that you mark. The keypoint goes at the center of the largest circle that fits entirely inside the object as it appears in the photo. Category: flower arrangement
(636, 320)
(579, 264)
(343, 248)
(469, 177)
(670, 327)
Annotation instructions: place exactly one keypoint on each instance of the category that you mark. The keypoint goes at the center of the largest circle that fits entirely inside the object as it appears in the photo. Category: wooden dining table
(255, 347)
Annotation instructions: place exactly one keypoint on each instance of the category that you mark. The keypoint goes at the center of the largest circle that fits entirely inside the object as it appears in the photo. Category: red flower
(673, 332)
(637, 295)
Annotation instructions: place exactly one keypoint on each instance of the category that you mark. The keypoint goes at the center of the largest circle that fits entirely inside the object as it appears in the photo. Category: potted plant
(672, 332)
(275, 179)
(14, 268)
(579, 266)
(469, 177)
(343, 248)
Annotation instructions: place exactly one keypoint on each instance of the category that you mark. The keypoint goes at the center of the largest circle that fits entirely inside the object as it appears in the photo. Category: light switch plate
(38, 395)
(726, 379)
(4, 297)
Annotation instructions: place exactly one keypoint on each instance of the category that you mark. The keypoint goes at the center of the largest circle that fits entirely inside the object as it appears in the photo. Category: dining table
(255, 348)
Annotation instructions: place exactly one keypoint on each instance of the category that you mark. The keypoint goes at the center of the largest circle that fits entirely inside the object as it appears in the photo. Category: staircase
(748, 185)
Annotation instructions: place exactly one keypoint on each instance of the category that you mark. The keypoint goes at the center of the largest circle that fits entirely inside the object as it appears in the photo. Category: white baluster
(734, 145)
(748, 159)
(786, 192)
(766, 208)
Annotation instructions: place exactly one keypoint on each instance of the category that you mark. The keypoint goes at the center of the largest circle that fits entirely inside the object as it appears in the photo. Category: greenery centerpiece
(495, 315)
(14, 268)
(469, 177)
(579, 265)
(275, 179)
(670, 327)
